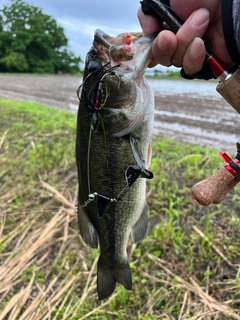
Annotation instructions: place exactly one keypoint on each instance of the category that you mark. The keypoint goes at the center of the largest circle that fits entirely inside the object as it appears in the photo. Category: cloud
(107, 12)
(80, 18)
(80, 30)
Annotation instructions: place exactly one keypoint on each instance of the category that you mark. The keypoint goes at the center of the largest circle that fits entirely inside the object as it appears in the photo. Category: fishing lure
(97, 101)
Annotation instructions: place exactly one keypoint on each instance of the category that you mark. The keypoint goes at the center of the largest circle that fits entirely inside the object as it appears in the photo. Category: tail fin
(108, 276)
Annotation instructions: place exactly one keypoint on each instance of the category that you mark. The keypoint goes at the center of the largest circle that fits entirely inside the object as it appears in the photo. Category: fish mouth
(123, 48)
(108, 41)
(101, 37)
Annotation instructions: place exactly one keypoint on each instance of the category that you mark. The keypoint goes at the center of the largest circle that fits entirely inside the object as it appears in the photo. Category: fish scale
(104, 154)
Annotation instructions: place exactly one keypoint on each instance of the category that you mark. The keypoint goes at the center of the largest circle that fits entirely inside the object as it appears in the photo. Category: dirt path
(196, 118)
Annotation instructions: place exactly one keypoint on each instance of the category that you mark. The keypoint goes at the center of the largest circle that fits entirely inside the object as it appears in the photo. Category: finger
(163, 48)
(184, 8)
(148, 23)
(194, 57)
(195, 26)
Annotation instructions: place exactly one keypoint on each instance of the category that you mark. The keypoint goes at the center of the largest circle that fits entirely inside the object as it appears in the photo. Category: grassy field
(186, 268)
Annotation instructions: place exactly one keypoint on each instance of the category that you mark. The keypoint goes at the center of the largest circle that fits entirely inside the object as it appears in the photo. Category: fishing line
(97, 84)
(87, 98)
(88, 159)
(102, 122)
(91, 103)
(84, 84)
(109, 53)
(132, 174)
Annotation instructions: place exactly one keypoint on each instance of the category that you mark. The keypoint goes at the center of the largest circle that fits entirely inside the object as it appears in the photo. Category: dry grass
(29, 249)
(33, 249)
(206, 306)
(29, 289)
(187, 268)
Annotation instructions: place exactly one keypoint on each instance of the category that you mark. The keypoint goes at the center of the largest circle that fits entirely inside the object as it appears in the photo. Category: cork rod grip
(214, 188)
(229, 90)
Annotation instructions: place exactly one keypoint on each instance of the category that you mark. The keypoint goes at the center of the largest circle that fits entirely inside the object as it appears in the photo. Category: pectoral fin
(139, 230)
(87, 230)
(149, 155)
(144, 165)
(134, 172)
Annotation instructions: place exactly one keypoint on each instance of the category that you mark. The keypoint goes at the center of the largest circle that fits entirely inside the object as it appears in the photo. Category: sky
(80, 18)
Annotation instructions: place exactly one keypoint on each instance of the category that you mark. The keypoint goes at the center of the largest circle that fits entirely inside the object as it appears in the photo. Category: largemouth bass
(113, 152)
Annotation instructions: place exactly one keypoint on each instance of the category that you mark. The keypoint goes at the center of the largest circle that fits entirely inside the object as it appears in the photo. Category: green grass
(170, 75)
(186, 268)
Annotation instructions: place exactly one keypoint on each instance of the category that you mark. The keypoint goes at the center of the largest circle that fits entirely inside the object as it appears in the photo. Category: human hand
(186, 48)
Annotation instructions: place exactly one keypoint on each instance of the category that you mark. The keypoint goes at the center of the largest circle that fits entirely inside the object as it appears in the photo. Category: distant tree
(31, 41)
(15, 61)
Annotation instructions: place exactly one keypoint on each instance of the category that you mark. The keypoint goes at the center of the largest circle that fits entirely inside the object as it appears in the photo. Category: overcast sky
(80, 18)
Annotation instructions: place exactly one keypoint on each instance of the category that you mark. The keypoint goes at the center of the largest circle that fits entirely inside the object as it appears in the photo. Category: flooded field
(189, 111)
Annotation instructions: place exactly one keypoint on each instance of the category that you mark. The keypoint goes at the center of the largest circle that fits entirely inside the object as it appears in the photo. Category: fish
(113, 152)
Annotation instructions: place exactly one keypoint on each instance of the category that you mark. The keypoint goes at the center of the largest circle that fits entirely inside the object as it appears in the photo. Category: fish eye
(94, 68)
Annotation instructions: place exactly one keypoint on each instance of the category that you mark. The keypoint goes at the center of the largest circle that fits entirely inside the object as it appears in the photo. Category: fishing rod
(215, 188)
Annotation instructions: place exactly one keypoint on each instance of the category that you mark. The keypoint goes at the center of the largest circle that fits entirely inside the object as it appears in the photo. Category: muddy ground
(195, 118)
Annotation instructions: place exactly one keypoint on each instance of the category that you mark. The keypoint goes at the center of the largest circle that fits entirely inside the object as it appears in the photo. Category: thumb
(148, 23)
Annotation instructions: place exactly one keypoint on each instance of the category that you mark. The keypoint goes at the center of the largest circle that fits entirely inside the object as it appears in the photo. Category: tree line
(33, 42)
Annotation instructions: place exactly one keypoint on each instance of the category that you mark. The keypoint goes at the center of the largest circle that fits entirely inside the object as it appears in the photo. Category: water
(165, 87)
(183, 87)
(194, 112)
(189, 111)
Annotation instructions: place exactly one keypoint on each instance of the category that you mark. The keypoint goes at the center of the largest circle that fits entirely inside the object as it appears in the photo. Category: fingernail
(196, 47)
(199, 17)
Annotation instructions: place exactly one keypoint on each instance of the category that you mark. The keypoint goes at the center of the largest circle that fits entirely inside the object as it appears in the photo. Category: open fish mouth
(114, 70)
(122, 48)
(122, 39)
